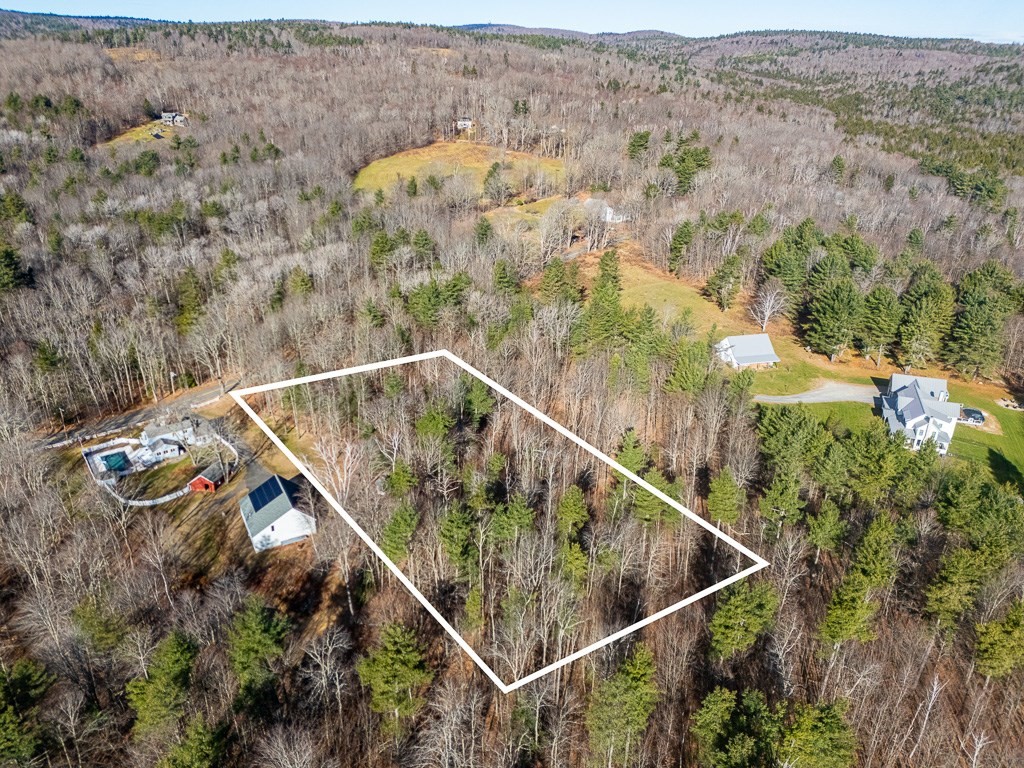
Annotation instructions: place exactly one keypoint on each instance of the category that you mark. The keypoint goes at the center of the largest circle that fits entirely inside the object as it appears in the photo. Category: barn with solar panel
(272, 515)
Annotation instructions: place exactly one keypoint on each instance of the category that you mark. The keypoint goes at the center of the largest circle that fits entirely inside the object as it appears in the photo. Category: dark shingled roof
(214, 473)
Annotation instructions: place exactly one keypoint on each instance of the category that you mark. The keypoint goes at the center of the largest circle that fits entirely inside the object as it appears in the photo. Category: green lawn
(166, 477)
(1002, 454)
(854, 416)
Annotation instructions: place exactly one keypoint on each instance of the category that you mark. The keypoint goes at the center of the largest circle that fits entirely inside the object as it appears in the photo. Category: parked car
(971, 416)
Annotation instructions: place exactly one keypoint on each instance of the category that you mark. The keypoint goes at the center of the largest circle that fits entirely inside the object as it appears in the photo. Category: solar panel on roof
(266, 493)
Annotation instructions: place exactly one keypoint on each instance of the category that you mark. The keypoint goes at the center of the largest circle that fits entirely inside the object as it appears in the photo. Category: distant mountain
(569, 34)
(20, 24)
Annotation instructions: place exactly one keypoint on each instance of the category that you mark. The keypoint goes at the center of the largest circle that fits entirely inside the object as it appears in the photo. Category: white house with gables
(754, 349)
(272, 515)
(918, 407)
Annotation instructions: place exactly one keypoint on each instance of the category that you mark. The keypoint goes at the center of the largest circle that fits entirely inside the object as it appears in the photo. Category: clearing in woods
(448, 478)
(998, 446)
(154, 130)
(452, 158)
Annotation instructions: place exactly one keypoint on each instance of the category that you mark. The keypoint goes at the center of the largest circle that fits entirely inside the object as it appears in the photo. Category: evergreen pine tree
(398, 532)
(736, 730)
(603, 321)
(478, 402)
(834, 317)
(743, 613)
(255, 639)
(620, 709)
(159, 698)
(648, 508)
(682, 237)
(423, 246)
(819, 737)
(690, 368)
(572, 513)
(831, 268)
(725, 283)
(396, 673)
(510, 519)
(927, 317)
(725, 498)
(638, 143)
(1000, 648)
(644, 343)
(781, 502)
(827, 529)
(505, 278)
(381, 248)
(881, 322)
(977, 339)
(199, 748)
(632, 454)
(560, 283)
(483, 231)
(12, 275)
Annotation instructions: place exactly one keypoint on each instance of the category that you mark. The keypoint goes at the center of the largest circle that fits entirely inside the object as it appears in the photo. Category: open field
(152, 131)
(456, 158)
(510, 216)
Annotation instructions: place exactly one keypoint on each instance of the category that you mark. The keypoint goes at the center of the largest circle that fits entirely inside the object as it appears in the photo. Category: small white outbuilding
(272, 515)
(754, 349)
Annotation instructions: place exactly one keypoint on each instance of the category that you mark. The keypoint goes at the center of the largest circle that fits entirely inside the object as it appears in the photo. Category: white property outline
(759, 562)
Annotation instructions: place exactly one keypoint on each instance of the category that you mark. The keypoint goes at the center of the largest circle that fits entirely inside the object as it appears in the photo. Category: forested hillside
(856, 197)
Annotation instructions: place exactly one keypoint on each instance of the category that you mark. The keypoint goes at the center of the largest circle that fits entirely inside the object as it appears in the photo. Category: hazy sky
(990, 20)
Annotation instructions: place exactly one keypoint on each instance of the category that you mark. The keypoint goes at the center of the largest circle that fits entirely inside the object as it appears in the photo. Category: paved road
(829, 392)
(136, 417)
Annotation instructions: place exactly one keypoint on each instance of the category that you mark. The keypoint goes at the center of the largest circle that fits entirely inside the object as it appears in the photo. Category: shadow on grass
(1004, 470)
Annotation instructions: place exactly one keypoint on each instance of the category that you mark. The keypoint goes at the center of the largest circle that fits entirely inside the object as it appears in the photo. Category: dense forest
(858, 197)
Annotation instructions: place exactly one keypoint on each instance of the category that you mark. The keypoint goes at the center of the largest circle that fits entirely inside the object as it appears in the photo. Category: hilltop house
(272, 516)
(754, 349)
(173, 118)
(918, 408)
(464, 124)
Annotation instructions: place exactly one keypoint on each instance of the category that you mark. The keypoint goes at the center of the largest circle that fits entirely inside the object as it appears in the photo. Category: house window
(271, 529)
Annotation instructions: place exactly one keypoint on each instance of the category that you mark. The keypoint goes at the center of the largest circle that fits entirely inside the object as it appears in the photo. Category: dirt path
(828, 392)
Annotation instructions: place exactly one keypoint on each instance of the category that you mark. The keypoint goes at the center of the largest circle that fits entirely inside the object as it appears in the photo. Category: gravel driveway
(828, 392)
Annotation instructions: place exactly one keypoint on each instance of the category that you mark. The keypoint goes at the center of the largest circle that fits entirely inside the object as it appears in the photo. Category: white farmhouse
(164, 448)
(272, 516)
(754, 349)
(918, 407)
(183, 432)
(602, 211)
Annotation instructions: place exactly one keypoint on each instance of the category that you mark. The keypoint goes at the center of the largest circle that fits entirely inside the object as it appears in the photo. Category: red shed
(209, 480)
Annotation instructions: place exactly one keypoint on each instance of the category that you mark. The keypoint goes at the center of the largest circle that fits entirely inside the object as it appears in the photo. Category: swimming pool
(116, 462)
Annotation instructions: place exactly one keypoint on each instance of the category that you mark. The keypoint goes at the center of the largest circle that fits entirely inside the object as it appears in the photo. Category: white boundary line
(759, 562)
